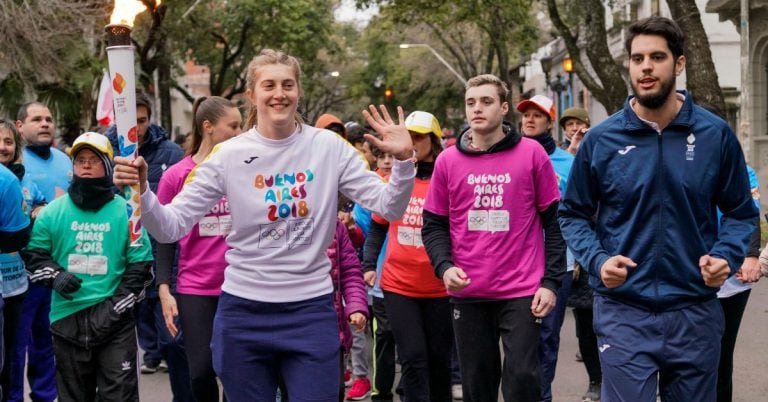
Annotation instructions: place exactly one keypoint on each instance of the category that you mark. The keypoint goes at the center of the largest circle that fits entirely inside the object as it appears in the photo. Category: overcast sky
(348, 12)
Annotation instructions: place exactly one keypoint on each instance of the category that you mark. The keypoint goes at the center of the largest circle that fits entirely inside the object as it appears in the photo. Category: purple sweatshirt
(348, 284)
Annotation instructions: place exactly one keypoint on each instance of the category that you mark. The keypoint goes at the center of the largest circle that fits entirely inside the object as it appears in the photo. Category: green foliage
(336, 83)
(51, 53)
(226, 35)
(474, 36)
(64, 96)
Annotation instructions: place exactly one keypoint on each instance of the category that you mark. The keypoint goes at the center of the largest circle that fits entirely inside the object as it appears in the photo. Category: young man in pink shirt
(491, 232)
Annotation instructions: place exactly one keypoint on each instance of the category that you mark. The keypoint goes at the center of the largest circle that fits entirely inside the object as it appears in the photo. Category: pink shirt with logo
(493, 203)
(201, 252)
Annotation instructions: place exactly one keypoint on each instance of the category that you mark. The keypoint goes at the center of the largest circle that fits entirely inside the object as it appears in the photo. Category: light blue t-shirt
(12, 269)
(362, 219)
(734, 286)
(12, 217)
(51, 175)
(562, 162)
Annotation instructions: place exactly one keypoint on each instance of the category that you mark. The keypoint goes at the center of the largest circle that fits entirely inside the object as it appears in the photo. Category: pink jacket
(349, 294)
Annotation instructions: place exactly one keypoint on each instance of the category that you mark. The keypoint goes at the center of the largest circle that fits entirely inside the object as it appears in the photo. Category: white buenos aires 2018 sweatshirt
(283, 198)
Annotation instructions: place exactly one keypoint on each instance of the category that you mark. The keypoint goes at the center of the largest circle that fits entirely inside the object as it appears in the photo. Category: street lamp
(546, 65)
(568, 68)
(557, 85)
(442, 60)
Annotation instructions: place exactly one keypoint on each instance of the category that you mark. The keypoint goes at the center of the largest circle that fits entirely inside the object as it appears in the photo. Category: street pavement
(750, 375)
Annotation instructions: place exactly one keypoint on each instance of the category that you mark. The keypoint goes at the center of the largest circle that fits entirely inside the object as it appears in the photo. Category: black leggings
(733, 309)
(423, 334)
(588, 343)
(383, 352)
(197, 313)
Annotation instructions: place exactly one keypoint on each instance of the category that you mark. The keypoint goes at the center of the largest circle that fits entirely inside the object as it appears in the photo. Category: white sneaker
(148, 368)
(456, 392)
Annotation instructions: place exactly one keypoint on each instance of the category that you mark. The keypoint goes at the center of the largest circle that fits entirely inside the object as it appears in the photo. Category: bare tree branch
(36, 33)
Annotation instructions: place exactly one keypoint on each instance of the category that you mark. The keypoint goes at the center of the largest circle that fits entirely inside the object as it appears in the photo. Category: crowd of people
(279, 259)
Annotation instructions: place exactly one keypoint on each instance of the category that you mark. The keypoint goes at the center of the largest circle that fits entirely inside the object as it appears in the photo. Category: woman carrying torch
(281, 178)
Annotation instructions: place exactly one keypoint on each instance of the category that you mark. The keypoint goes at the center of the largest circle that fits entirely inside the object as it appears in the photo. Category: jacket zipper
(660, 230)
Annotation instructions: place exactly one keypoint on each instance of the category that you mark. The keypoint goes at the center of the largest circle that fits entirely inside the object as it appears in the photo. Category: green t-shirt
(95, 246)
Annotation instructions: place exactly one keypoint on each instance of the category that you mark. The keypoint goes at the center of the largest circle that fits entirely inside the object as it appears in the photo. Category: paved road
(750, 372)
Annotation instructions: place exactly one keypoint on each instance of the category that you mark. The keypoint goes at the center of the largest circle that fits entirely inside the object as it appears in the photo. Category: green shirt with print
(93, 245)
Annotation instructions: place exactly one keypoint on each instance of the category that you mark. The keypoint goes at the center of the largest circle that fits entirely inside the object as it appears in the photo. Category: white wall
(725, 44)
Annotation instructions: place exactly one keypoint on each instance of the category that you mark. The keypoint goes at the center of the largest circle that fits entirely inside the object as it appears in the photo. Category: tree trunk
(701, 77)
(165, 83)
(609, 88)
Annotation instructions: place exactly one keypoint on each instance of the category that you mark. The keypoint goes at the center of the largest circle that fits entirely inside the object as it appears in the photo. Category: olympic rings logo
(273, 234)
(209, 225)
(477, 219)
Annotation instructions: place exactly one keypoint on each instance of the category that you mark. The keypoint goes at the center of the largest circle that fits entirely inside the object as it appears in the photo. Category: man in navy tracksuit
(640, 214)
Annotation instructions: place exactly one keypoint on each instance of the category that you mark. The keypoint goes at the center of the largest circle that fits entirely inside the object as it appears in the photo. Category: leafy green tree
(226, 35)
(475, 36)
(337, 84)
(150, 37)
(582, 27)
(583, 32)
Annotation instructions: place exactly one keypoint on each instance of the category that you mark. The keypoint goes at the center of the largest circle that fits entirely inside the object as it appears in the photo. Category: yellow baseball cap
(94, 141)
(423, 123)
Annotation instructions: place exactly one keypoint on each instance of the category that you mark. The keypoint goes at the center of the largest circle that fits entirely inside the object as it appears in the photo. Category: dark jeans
(478, 327)
(34, 348)
(733, 309)
(197, 314)
(2, 344)
(383, 353)
(169, 348)
(10, 317)
(549, 342)
(422, 329)
(146, 328)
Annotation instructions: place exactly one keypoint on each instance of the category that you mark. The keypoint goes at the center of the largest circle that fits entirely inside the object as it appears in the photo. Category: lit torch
(121, 72)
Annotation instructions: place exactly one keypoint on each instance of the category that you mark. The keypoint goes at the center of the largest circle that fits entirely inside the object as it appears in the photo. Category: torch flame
(126, 10)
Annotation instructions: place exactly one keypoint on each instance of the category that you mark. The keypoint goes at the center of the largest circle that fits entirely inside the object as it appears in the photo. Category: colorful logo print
(118, 84)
